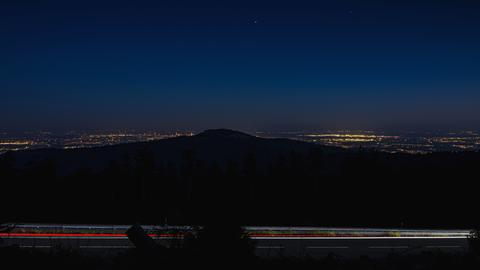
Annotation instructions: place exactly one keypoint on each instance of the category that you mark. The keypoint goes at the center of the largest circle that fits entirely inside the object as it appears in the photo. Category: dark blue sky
(253, 65)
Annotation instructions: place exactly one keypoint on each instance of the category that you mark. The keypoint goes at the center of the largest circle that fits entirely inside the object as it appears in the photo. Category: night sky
(251, 65)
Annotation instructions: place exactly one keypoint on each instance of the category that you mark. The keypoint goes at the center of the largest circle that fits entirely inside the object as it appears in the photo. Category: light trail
(355, 238)
(177, 236)
(268, 241)
(83, 235)
(65, 231)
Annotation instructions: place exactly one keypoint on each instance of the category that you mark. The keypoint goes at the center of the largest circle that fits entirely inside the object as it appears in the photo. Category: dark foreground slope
(225, 175)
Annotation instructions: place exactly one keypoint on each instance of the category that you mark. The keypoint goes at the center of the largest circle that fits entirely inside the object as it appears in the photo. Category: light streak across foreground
(314, 242)
(175, 232)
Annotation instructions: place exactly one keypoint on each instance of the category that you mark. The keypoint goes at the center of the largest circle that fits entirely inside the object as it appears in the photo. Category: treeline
(318, 187)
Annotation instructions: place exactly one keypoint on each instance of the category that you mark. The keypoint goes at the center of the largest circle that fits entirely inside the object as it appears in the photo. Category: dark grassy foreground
(15, 258)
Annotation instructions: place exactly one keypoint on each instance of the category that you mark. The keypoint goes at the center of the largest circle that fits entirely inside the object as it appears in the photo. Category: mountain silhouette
(224, 133)
(212, 146)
